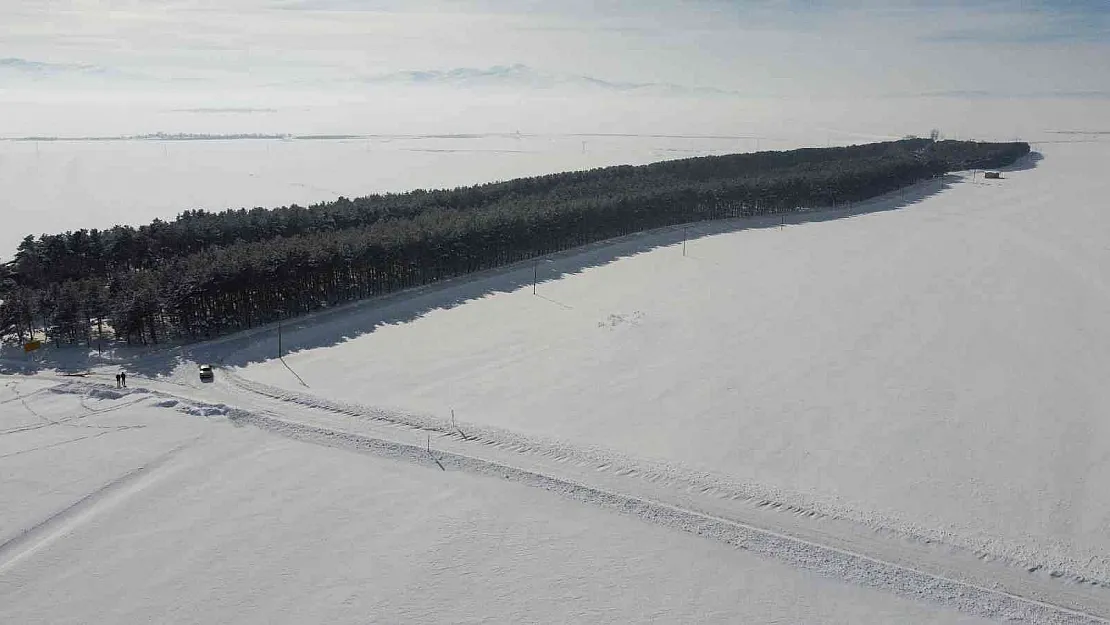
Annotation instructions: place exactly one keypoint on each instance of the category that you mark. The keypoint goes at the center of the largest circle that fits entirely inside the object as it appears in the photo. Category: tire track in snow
(605, 460)
(33, 538)
(73, 440)
(9, 387)
(820, 552)
(895, 574)
(661, 475)
(830, 561)
(71, 421)
(601, 460)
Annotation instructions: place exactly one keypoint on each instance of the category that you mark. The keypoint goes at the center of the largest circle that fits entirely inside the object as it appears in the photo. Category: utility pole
(535, 273)
(684, 229)
(279, 338)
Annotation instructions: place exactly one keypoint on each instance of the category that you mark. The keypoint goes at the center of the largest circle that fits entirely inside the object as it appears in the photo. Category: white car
(206, 372)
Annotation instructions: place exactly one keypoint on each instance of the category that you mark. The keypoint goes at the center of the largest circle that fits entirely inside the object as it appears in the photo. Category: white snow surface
(132, 512)
(879, 415)
(931, 364)
(56, 185)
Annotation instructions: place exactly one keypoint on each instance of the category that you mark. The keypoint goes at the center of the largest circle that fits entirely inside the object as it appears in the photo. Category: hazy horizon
(772, 75)
(874, 395)
(499, 66)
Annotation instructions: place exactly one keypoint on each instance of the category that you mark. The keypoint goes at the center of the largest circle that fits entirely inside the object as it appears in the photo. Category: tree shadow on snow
(342, 323)
(350, 321)
(1029, 161)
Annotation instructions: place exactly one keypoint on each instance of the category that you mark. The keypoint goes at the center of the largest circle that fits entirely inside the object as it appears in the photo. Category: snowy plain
(55, 186)
(932, 365)
(73, 182)
(889, 416)
(905, 398)
(133, 510)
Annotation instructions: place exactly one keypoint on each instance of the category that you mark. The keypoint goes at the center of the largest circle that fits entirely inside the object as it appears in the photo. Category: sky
(110, 60)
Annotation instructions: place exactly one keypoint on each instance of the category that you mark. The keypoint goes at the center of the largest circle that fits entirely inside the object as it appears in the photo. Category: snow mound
(204, 410)
(107, 393)
(92, 391)
(614, 320)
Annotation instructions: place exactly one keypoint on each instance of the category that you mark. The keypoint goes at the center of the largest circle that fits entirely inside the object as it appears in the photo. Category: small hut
(992, 175)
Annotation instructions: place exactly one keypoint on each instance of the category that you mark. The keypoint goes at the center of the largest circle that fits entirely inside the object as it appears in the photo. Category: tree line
(209, 273)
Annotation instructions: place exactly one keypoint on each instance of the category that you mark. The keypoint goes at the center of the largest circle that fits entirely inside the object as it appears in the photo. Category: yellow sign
(31, 346)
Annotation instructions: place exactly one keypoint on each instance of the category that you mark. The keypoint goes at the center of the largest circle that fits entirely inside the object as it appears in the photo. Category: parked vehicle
(206, 373)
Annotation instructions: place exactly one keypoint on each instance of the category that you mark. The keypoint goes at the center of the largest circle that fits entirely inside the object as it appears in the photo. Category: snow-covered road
(905, 398)
(930, 366)
(664, 496)
(186, 518)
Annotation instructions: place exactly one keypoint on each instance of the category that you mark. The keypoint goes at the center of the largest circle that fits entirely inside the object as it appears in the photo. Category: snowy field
(931, 365)
(892, 414)
(887, 415)
(53, 186)
(134, 510)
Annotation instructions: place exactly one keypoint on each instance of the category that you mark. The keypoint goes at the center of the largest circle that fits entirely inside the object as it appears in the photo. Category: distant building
(992, 174)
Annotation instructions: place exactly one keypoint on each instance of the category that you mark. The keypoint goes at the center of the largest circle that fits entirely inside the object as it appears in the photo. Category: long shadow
(77, 360)
(1029, 161)
(349, 321)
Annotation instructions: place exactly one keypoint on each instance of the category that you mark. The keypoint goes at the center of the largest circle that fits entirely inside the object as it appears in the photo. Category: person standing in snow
(123, 378)
(117, 381)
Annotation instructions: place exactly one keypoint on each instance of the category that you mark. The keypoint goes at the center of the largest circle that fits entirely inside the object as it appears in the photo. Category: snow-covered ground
(97, 184)
(131, 510)
(893, 415)
(52, 186)
(886, 415)
(935, 370)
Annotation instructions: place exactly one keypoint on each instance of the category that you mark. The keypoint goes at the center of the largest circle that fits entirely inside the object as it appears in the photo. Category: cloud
(31, 72)
(317, 50)
(520, 76)
(1042, 34)
(41, 68)
(344, 5)
(218, 110)
(515, 75)
(985, 94)
(1032, 22)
